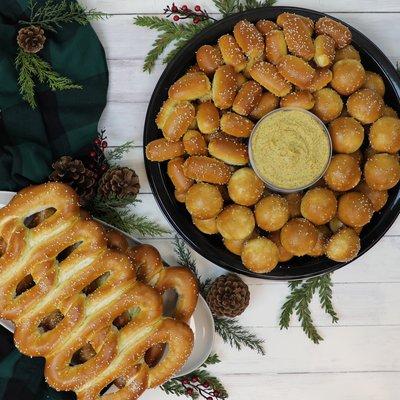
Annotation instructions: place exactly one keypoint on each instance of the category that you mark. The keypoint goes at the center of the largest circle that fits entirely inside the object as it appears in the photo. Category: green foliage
(31, 68)
(227, 7)
(211, 360)
(116, 154)
(52, 14)
(184, 255)
(299, 299)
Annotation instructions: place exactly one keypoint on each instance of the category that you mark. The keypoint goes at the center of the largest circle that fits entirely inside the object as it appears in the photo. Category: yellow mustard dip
(290, 149)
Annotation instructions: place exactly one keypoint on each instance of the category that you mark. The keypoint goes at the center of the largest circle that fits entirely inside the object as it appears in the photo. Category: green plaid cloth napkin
(65, 123)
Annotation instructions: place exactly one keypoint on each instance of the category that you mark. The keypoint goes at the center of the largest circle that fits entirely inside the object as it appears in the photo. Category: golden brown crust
(382, 171)
(343, 246)
(236, 125)
(348, 76)
(300, 99)
(162, 150)
(265, 26)
(207, 226)
(224, 87)
(355, 209)
(319, 205)
(236, 222)
(365, 105)
(275, 46)
(191, 86)
(247, 99)
(347, 52)
(299, 236)
(245, 187)
(228, 150)
(268, 103)
(231, 52)
(272, 212)
(343, 173)
(336, 30)
(324, 51)
(322, 77)
(209, 58)
(347, 135)
(207, 169)
(178, 178)
(384, 135)
(328, 104)
(296, 70)
(378, 198)
(204, 201)
(207, 117)
(284, 255)
(284, 17)
(260, 255)
(194, 143)
(374, 82)
(250, 40)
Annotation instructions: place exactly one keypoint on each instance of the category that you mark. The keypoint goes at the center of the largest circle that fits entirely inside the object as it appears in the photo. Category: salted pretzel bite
(209, 58)
(324, 51)
(299, 236)
(250, 40)
(236, 222)
(275, 46)
(336, 30)
(365, 105)
(344, 245)
(328, 104)
(296, 70)
(236, 125)
(191, 86)
(265, 26)
(116, 240)
(229, 150)
(268, 76)
(301, 99)
(231, 52)
(207, 169)
(260, 255)
(207, 226)
(284, 17)
(384, 135)
(348, 76)
(343, 173)
(319, 205)
(294, 203)
(378, 198)
(389, 112)
(322, 77)
(355, 209)
(224, 87)
(248, 98)
(347, 52)
(347, 135)
(271, 212)
(245, 187)
(268, 102)
(374, 82)
(194, 143)
(382, 171)
(207, 117)
(283, 254)
(178, 178)
(320, 246)
(162, 150)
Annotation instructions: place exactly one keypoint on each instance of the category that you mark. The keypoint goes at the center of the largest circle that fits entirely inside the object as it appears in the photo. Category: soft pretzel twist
(58, 314)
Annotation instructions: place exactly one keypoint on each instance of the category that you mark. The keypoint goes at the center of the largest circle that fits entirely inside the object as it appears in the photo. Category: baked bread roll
(382, 171)
(324, 51)
(319, 205)
(175, 118)
(194, 143)
(284, 17)
(296, 70)
(250, 40)
(365, 105)
(260, 255)
(335, 29)
(271, 212)
(343, 246)
(229, 150)
(348, 76)
(224, 87)
(294, 203)
(236, 222)
(384, 135)
(300, 99)
(322, 78)
(378, 198)
(265, 26)
(231, 52)
(162, 150)
(245, 187)
(283, 254)
(191, 86)
(236, 125)
(209, 58)
(389, 112)
(275, 46)
(347, 135)
(247, 99)
(207, 117)
(178, 178)
(268, 76)
(328, 104)
(299, 236)
(374, 82)
(320, 246)
(355, 209)
(268, 103)
(343, 173)
(347, 52)
(207, 169)
(203, 201)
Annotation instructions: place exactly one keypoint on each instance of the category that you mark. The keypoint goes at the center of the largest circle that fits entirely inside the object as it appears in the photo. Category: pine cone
(120, 182)
(75, 174)
(31, 39)
(228, 296)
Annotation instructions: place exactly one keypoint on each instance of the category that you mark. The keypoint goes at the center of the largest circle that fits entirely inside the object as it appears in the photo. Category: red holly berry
(185, 382)
(216, 393)
(104, 144)
(206, 384)
(196, 20)
(195, 379)
(209, 398)
(189, 391)
(176, 18)
(174, 8)
(97, 142)
(92, 154)
(184, 7)
(104, 167)
(197, 8)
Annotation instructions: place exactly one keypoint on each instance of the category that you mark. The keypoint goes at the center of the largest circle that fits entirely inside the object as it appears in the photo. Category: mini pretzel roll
(355, 209)
(337, 31)
(298, 37)
(268, 76)
(272, 212)
(250, 40)
(224, 87)
(204, 201)
(328, 104)
(275, 46)
(207, 169)
(265, 26)
(191, 86)
(245, 187)
(193, 68)
(175, 118)
(260, 255)
(320, 246)
(347, 52)
(389, 112)
(324, 51)
(207, 226)
(178, 178)
(268, 102)
(343, 246)
(231, 52)
(162, 150)
(209, 58)
(365, 105)
(229, 150)
(299, 236)
(319, 205)
(247, 99)
(294, 203)
(236, 222)
(384, 135)
(296, 70)
(301, 99)
(207, 117)
(382, 171)
(374, 82)
(348, 76)
(236, 125)
(343, 173)
(284, 255)
(322, 78)
(284, 17)
(347, 135)
(378, 198)
(241, 79)
(194, 143)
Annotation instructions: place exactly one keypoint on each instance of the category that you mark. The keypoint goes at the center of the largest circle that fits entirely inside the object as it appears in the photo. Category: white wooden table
(360, 357)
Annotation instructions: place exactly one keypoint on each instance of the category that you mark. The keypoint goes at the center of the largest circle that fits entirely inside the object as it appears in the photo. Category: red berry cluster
(193, 384)
(184, 12)
(97, 160)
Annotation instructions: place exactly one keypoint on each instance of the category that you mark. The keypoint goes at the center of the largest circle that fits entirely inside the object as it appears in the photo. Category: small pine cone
(228, 296)
(31, 39)
(120, 182)
(75, 174)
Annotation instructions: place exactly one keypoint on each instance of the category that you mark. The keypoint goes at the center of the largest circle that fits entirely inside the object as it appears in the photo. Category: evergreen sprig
(116, 154)
(30, 68)
(185, 256)
(299, 299)
(52, 14)
(227, 7)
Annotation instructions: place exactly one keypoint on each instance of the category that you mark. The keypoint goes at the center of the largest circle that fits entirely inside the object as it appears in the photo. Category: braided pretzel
(48, 267)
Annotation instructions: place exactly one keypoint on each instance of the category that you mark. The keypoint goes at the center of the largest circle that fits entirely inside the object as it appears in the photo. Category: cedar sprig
(185, 256)
(52, 14)
(30, 68)
(299, 299)
(115, 155)
(228, 7)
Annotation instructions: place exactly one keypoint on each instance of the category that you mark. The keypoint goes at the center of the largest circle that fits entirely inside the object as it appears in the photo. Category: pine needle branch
(227, 7)
(184, 255)
(211, 360)
(237, 336)
(325, 297)
(116, 154)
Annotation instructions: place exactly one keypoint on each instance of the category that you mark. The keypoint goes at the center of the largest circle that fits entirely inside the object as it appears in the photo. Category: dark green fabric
(65, 122)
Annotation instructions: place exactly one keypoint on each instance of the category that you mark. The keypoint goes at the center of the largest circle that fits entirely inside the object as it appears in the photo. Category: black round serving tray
(211, 247)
